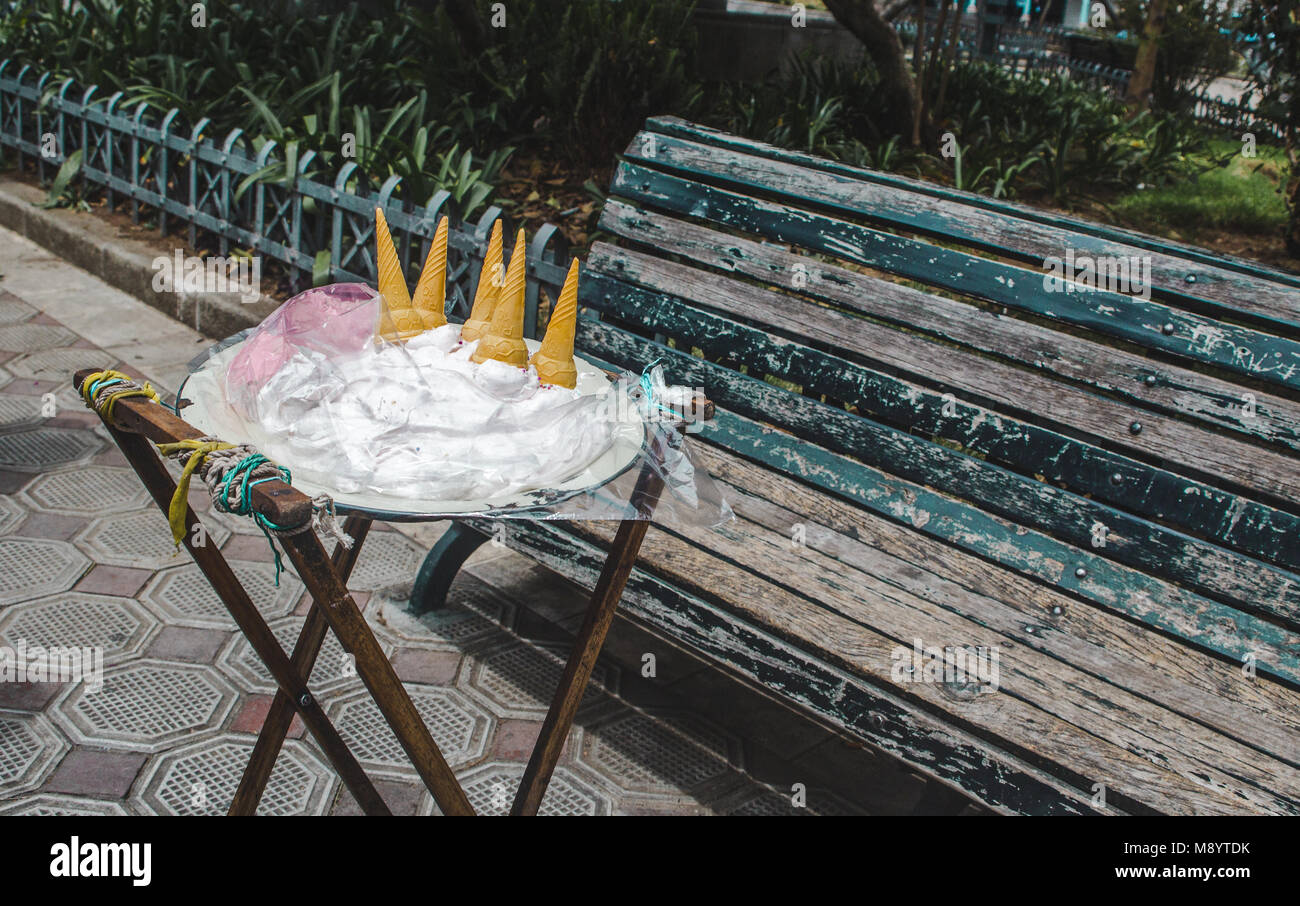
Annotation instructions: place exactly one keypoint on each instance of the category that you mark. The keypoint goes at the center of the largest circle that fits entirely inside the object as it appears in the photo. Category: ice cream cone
(489, 288)
(554, 359)
(504, 339)
(430, 298)
(402, 321)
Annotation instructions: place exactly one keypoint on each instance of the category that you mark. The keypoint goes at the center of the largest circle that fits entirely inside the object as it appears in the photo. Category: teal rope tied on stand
(236, 479)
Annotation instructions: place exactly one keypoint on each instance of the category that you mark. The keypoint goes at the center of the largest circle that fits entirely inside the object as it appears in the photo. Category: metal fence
(174, 172)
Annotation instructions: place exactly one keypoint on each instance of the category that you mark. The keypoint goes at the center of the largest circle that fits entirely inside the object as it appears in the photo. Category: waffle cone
(554, 359)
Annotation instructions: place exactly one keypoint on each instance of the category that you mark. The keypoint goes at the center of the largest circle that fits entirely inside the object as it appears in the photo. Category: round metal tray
(209, 412)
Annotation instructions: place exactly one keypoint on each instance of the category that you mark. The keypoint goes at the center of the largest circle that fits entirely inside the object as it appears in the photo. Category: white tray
(209, 412)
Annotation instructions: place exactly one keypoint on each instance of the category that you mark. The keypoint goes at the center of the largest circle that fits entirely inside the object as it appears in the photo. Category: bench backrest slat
(1233, 348)
(1086, 468)
(1155, 385)
(1193, 285)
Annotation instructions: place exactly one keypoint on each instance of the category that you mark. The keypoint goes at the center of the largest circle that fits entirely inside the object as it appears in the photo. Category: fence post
(336, 218)
(164, 168)
(196, 135)
(225, 199)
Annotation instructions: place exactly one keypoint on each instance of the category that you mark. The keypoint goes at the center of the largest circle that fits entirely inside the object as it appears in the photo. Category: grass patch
(1243, 195)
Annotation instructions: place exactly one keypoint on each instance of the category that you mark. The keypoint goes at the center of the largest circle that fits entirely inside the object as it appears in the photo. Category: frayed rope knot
(102, 389)
(230, 472)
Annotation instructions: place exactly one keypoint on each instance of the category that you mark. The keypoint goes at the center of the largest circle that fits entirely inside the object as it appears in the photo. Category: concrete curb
(96, 245)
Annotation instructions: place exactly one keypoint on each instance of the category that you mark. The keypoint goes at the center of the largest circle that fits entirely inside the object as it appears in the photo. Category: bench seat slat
(1196, 685)
(671, 125)
(1233, 348)
(1168, 388)
(1225, 518)
(1130, 539)
(1215, 290)
(873, 607)
(892, 723)
(1203, 621)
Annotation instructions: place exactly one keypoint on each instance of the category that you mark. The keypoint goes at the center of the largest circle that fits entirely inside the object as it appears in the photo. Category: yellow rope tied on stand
(198, 451)
(102, 389)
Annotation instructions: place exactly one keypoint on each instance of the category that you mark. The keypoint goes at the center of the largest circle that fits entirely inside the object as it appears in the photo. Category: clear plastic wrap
(404, 425)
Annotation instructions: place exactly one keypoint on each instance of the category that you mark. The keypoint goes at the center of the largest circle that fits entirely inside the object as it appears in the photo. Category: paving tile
(11, 481)
(434, 668)
(61, 804)
(459, 728)
(114, 580)
(30, 747)
(491, 789)
(333, 669)
(252, 715)
(117, 626)
(87, 489)
(50, 525)
(519, 680)
(182, 596)
(34, 335)
(182, 643)
(94, 772)
(27, 696)
(401, 798)
(201, 779)
(514, 739)
(147, 706)
(141, 539)
(12, 514)
(661, 754)
(474, 613)
(40, 448)
(32, 567)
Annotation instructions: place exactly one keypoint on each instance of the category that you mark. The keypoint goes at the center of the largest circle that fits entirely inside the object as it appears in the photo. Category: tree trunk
(1138, 97)
(885, 50)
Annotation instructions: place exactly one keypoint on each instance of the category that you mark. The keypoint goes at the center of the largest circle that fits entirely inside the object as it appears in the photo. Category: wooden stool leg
(280, 716)
(586, 648)
(376, 672)
(217, 571)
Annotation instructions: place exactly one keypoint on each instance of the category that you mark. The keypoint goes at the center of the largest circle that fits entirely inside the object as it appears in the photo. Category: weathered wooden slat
(1155, 384)
(1199, 686)
(671, 125)
(1224, 518)
(1001, 780)
(1129, 539)
(1200, 287)
(760, 570)
(1200, 620)
(1152, 324)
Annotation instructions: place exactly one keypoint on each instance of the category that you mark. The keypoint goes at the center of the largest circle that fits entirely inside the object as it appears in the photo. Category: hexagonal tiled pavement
(491, 790)
(40, 448)
(20, 411)
(48, 804)
(519, 680)
(183, 597)
(457, 725)
(386, 558)
(147, 705)
(14, 309)
(201, 779)
(29, 749)
(661, 754)
(120, 627)
(474, 612)
(56, 364)
(11, 513)
(333, 669)
(141, 539)
(31, 567)
(31, 337)
(88, 489)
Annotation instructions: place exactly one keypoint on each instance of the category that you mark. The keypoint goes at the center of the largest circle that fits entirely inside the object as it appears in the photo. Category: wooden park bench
(928, 446)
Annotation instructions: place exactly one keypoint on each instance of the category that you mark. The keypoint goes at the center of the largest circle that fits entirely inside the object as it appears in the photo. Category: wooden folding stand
(137, 421)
